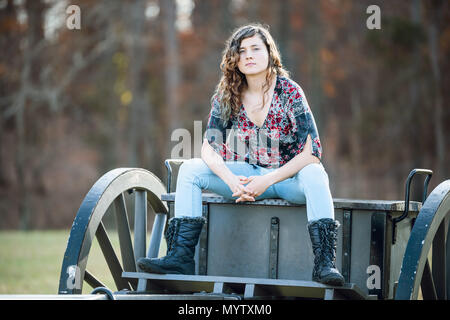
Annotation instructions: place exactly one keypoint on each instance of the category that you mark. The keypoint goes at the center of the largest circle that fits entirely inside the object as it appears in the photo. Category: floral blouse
(282, 136)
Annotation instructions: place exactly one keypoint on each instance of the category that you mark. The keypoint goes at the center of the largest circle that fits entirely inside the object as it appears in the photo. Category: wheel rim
(430, 231)
(106, 192)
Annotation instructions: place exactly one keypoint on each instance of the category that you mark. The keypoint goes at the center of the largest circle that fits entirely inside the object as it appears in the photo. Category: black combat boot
(182, 236)
(323, 235)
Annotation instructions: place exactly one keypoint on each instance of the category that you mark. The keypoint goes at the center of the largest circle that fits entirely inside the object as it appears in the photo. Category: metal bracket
(427, 172)
(274, 242)
(203, 240)
(346, 244)
(377, 250)
(107, 292)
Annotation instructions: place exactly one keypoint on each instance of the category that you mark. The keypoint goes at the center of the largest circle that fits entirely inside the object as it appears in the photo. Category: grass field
(30, 262)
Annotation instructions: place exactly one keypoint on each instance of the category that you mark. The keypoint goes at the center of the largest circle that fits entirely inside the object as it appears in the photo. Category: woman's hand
(236, 185)
(257, 185)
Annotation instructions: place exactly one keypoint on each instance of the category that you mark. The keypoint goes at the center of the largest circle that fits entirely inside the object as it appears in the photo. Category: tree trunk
(172, 67)
(313, 47)
(284, 28)
(137, 143)
(433, 45)
(29, 74)
(414, 85)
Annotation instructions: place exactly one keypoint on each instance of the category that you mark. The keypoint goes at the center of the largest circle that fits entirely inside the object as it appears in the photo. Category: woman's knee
(193, 165)
(313, 174)
(191, 169)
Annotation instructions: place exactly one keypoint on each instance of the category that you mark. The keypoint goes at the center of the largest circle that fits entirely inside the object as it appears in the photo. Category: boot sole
(156, 269)
(332, 281)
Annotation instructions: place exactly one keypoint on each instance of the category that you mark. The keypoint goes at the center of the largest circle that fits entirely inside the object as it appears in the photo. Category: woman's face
(253, 56)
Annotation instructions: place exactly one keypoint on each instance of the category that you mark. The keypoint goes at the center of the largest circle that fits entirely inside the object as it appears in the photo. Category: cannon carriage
(260, 250)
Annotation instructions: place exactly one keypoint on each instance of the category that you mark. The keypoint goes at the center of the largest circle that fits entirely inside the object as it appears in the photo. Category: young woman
(261, 142)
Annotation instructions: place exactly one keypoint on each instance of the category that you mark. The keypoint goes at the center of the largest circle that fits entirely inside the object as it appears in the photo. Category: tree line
(76, 103)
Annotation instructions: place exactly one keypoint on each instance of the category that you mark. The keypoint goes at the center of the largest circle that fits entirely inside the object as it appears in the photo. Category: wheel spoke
(427, 283)
(439, 260)
(140, 223)
(111, 258)
(91, 280)
(123, 229)
(156, 236)
(140, 229)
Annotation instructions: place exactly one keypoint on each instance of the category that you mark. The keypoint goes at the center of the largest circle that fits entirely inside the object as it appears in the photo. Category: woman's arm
(301, 116)
(216, 129)
(259, 184)
(215, 162)
(217, 165)
(294, 165)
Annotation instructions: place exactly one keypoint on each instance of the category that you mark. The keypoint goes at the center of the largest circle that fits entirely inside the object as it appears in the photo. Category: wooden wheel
(430, 231)
(109, 193)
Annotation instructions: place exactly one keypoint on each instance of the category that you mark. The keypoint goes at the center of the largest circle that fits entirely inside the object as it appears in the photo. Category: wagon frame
(395, 236)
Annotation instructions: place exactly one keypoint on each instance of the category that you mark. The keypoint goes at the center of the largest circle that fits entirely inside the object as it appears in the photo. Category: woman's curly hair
(233, 81)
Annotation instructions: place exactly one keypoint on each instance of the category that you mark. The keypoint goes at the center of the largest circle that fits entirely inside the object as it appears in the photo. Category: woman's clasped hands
(248, 188)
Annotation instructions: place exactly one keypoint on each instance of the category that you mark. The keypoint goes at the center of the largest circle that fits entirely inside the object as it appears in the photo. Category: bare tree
(35, 12)
(137, 52)
(436, 10)
(172, 65)
(38, 86)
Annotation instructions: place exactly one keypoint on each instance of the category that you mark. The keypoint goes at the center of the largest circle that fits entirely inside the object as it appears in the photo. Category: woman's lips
(250, 64)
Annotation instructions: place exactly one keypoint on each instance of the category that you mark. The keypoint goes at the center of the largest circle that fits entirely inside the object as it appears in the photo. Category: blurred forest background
(77, 103)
